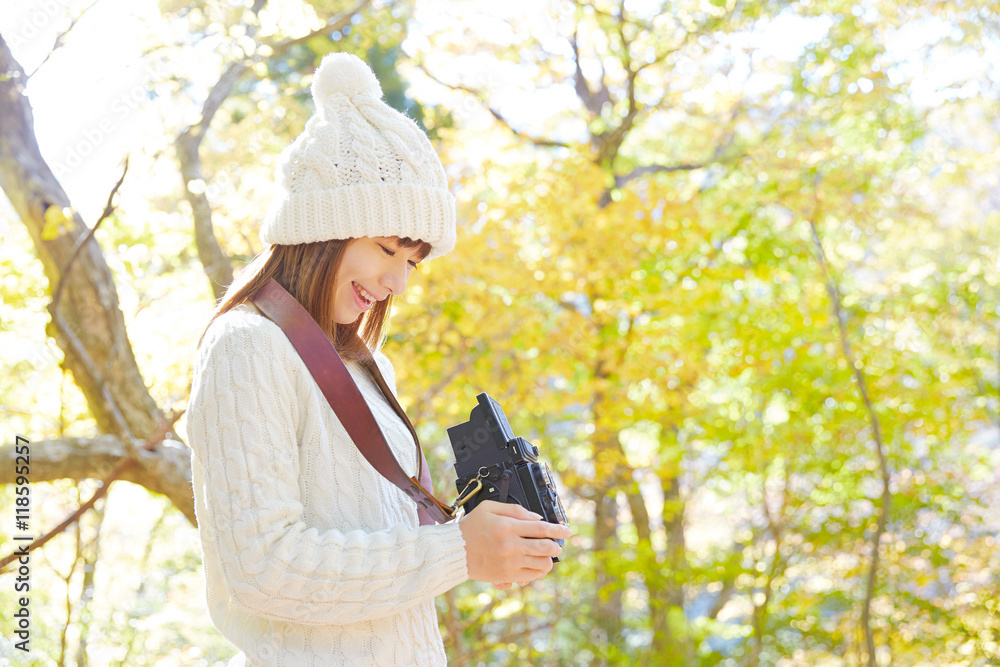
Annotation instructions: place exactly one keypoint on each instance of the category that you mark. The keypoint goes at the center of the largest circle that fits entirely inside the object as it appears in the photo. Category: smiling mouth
(360, 293)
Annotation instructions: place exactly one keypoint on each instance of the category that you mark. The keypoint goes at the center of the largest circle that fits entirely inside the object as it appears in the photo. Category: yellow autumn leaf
(55, 221)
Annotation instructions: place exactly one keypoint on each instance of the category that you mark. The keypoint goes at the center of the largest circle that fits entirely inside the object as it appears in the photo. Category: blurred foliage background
(732, 265)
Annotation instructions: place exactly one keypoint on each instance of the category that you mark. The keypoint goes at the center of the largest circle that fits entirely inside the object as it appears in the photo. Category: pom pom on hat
(346, 74)
(359, 168)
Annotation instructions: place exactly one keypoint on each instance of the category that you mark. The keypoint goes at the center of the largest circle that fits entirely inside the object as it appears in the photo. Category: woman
(311, 557)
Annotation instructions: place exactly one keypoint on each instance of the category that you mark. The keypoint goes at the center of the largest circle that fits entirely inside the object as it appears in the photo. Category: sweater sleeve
(242, 428)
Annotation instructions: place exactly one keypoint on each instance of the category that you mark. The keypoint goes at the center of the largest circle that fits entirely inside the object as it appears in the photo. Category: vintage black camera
(494, 465)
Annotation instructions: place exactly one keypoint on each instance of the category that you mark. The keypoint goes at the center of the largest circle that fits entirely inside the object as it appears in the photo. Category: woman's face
(372, 268)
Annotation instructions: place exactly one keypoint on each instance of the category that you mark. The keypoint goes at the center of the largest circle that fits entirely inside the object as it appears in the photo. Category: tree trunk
(671, 638)
(214, 260)
(91, 332)
(89, 304)
(608, 589)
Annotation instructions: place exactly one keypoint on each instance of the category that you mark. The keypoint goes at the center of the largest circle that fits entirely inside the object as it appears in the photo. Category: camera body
(507, 467)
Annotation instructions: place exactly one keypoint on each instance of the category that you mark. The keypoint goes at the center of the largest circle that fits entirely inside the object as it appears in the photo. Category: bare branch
(427, 397)
(61, 36)
(91, 305)
(594, 102)
(88, 324)
(662, 55)
(475, 620)
(538, 141)
(716, 158)
(220, 91)
(335, 23)
(71, 519)
(776, 528)
(859, 377)
(728, 587)
(80, 350)
(123, 465)
(469, 658)
(622, 179)
(214, 260)
(109, 208)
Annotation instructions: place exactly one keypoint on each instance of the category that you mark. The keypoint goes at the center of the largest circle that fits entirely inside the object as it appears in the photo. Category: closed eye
(393, 254)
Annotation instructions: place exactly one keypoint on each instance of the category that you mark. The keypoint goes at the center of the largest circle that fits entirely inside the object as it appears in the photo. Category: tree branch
(776, 528)
(109, 208)
(716, 158)
(60, 37)
(538, 141)
(728, 587)
(214, 260)
(470, 657)
(859, 376)
(335, 23)
(594, 102)
(622, 179)
(157, 478)
(475, 620)
(88, 317)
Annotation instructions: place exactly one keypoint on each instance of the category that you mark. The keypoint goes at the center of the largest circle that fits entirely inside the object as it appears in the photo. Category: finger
(536, 566)
(541, 547)
(553, 531)
(527, 575)
(512, 510)
(502, 587)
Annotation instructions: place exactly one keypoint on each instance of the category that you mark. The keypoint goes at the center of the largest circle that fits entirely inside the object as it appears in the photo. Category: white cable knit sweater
(311, 557)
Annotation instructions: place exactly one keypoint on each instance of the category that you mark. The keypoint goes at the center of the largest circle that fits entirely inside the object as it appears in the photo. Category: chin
(343, 321)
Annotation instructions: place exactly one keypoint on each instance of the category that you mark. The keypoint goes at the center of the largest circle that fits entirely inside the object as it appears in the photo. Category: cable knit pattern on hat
(360, 168)
(311, 557)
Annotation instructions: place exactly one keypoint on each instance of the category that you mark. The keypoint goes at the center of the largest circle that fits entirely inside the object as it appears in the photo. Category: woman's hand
(499, 547)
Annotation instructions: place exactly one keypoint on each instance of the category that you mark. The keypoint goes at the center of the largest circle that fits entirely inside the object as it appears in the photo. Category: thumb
(515, 511)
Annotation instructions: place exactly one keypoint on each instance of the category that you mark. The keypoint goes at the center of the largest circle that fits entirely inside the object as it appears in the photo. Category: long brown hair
(308, 271)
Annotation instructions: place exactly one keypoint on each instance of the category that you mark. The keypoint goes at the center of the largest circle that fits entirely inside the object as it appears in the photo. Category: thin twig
(75, 344)
(72, 518)
(59, 38)
(123, 465)
(538, 141)
(466, 658)
(859, 377)
(109, 208)
(478, 617)
(776, 528)
(335, 23)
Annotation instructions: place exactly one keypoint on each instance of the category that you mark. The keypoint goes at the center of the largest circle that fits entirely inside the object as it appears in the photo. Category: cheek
(336, 296)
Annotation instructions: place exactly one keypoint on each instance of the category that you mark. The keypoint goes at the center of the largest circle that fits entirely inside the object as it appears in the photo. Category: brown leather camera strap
(343, 395)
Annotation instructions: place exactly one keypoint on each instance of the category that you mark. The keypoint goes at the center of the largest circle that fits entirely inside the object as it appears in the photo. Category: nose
(394, 279)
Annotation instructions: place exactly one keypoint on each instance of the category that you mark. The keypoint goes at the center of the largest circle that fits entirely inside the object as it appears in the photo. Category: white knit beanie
(360, 168)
